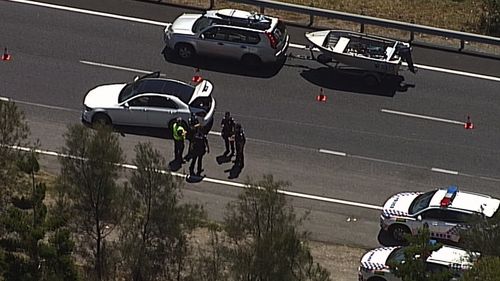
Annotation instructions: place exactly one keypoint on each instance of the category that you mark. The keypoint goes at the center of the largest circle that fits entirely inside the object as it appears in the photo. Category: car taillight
(272, 40)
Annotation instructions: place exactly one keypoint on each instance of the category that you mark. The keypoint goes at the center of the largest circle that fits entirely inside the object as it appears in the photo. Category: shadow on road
(352, 80)
(225, 65)
(144, 131)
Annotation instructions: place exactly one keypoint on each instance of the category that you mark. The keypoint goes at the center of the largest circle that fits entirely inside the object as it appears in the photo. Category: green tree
(14, 131)
(154, 237)
(266, 241)
(415, 256)
(483, 235)
(491, 17)
(209, 261)
(484, 269)
(28, 242)
(89, 177)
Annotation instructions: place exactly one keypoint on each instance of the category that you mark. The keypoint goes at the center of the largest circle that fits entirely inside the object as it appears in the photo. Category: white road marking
(117, 67)
(457, 72)
(292, 45)
(214, 133)
(89, 12)
(444, 171)
(422, 116)
(218, 181)
(332, 152)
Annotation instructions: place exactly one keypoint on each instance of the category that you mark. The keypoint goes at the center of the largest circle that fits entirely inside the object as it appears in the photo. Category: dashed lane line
(117, 67)
(422, 116)
(445, 171)
(218, 181)
(293, 45)
(337, 153)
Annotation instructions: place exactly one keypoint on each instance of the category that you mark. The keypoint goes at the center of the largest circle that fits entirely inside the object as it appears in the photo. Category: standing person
(239, 138)
(227, 132)
(200, 147)
(179, 135)
(193, 124)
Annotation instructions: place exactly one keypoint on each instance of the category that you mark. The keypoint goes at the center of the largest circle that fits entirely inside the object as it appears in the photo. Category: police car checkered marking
(390, 212)
(409, 193)
(373, 265)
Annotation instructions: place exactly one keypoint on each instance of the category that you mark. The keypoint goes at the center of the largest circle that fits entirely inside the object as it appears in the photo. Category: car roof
(172, 87)
(234, 17)
(448, 255)
(468, 201)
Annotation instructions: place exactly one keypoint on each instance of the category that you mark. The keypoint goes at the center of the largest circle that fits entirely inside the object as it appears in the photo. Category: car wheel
(101, 119)
(372, 80)
(251, 61)
(399, 232)
(185, 51)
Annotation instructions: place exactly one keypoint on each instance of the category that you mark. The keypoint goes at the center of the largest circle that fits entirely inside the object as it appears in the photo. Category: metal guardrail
(362, 20)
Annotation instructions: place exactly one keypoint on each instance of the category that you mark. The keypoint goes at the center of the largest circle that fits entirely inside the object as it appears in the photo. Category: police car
(444, 211)
(375, 263)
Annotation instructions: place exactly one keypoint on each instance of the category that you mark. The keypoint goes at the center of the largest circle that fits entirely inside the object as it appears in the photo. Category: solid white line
(214, 133)
(332, 152)
(457, 72)
(5, 99)
(221, 182)
(422, 116)
(116, 67)
(89, 12)
(444, 171)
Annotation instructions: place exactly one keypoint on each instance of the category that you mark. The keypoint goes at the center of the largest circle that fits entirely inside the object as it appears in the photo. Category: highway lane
(349, 122)
(338, 124)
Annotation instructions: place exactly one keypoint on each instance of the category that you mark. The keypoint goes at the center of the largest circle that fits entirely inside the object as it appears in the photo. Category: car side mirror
(125, 105)
(202, 36)
(136, 78)
(419, 217)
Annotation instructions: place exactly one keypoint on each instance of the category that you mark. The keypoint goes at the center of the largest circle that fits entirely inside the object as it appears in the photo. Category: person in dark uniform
(199, 148)
(227, 132)
(239, 139)
(179, 135)
(193, 124)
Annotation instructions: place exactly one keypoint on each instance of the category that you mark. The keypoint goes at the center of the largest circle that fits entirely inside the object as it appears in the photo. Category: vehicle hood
(203, 89)
(103, 96)
(377, 258)
(184, 23)
(399, 204)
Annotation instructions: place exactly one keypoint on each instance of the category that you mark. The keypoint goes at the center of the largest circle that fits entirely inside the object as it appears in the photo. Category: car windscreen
(396, 257)
(421, 202)
(159, 86)
(201, 23)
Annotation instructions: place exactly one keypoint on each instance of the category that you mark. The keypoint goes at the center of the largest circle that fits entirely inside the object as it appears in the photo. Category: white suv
(250, 37)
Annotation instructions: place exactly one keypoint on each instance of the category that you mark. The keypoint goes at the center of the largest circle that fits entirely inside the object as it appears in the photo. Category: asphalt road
(286, 127)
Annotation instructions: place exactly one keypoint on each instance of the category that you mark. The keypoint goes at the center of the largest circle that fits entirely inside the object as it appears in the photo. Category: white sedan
(149, 101)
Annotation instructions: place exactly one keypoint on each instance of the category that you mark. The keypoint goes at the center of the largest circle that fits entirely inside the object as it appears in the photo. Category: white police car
(375, 263)
(444, 211)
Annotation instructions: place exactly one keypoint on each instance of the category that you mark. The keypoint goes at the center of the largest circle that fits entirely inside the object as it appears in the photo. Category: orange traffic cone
(321, 97)
(197, 77)
(5, 56)
(468, 125)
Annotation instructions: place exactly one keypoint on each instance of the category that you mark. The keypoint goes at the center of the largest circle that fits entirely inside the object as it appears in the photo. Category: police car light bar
(448, 197)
